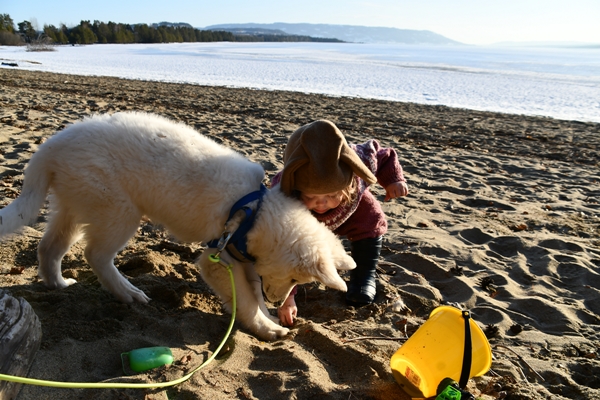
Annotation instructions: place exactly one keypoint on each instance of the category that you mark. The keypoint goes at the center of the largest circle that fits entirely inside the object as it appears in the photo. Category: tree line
(111, 32)
(100, 32)
(8, 35)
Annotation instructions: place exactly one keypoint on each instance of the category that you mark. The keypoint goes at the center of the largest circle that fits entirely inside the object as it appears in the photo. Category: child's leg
(362, 285)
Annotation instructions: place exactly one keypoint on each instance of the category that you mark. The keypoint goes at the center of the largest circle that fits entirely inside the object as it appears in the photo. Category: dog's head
(291, 247)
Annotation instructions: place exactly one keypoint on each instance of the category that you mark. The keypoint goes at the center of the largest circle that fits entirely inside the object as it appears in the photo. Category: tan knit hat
(318, 160)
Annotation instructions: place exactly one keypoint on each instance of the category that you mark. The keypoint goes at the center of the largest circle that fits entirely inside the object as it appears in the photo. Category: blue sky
(467, 21)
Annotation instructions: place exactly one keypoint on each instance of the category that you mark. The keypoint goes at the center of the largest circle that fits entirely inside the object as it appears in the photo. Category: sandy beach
(502, 219)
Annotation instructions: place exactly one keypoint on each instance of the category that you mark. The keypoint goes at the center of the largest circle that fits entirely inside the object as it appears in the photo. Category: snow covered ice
(562, 83)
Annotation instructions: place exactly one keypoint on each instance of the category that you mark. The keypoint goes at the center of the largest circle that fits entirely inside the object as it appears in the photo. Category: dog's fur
(107, 172)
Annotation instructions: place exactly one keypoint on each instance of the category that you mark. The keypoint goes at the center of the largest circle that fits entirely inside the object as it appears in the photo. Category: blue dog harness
(235, 243)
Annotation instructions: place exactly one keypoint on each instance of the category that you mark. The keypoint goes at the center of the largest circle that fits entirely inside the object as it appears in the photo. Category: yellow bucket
(435, 351)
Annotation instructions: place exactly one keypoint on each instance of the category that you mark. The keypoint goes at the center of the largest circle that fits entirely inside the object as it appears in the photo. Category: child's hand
(396, 189)
(288, 311)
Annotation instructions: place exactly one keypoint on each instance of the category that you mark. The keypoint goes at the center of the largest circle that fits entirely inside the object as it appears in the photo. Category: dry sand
(503, 218)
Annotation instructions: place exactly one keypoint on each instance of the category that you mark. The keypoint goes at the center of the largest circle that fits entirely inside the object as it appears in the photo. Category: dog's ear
(345, 263)
(330, 278)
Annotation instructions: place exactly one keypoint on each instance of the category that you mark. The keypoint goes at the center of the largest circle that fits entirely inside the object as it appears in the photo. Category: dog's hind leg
(104, 240)
(61, 232)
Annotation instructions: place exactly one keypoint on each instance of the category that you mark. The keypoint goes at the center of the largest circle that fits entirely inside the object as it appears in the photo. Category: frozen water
(562, 83)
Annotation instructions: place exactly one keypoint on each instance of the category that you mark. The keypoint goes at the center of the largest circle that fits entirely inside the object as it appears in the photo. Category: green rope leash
(106, 385)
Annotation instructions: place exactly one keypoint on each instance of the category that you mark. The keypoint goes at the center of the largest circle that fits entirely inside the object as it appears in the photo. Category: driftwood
(20, 337)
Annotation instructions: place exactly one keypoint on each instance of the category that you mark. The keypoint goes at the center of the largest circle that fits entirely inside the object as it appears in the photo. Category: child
(332, 179)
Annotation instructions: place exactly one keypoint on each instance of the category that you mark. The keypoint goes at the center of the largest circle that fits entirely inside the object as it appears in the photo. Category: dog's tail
(26, 207)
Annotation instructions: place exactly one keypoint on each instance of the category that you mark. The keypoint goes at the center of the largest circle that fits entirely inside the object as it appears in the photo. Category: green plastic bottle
(148, 358)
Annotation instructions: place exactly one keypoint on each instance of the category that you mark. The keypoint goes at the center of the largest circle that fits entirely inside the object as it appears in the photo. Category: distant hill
(172, 24)
(346, 33)
(273, 35)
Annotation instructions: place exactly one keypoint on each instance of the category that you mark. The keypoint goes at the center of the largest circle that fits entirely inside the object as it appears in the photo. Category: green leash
(104, 385)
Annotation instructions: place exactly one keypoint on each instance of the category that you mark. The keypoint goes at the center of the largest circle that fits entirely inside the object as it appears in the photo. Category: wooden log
(20, 338)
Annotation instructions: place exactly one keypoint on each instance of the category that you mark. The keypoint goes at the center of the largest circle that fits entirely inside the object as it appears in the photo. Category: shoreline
(510, 199)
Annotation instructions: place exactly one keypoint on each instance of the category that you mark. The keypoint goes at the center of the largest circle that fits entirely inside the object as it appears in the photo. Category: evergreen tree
(27, 31)
(102, 32)
(7, 32)
(82, 34)
(57, 35)
(143, 34)
(188, 34)
(122, 33)
(6, 23)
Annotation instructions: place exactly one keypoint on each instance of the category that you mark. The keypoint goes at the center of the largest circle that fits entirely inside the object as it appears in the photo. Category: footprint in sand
(475, 236)
(440, 285)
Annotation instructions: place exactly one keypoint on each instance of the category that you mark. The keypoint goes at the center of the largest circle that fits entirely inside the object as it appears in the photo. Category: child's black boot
(362, 285)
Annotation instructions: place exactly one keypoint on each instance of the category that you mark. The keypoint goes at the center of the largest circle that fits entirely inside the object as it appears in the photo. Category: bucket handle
(468, 352)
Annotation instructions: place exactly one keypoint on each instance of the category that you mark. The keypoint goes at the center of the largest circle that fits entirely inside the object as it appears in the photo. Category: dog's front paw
(70, 281)
(272, 333)
(59, 283)
(134, 296)
(127, 293)
(139, 296)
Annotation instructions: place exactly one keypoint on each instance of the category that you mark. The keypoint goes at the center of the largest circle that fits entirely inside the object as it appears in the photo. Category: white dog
(106, 172)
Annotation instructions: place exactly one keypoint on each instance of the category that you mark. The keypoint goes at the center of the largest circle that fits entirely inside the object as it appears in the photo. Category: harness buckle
(223, 240)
